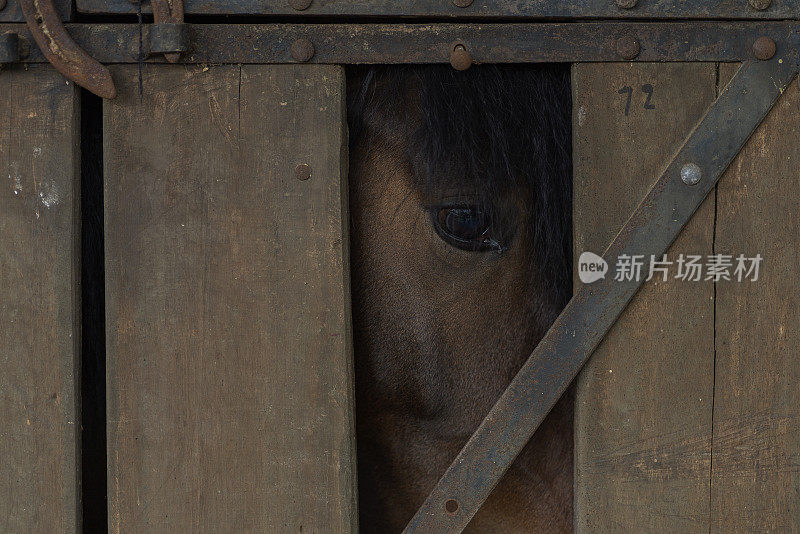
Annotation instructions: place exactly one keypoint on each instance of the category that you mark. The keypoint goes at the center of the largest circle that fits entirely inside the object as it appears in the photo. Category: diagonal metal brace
(62, 52)
(566, 347)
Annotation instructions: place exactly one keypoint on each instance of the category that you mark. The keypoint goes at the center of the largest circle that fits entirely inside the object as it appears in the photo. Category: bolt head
(462, 3)
(759, 5)
(451, 506)
(691, 174)
(460, 58)
(302, 172)
(628, 47)
(626, 4)
(300, 5)
(302, 50)
(764, 48)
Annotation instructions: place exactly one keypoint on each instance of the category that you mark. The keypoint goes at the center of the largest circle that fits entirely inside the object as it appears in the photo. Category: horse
(460, 202)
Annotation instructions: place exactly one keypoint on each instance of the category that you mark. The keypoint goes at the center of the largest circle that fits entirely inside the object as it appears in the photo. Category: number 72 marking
(646, 89)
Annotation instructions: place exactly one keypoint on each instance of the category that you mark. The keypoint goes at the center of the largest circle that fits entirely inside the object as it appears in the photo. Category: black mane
(490, 128)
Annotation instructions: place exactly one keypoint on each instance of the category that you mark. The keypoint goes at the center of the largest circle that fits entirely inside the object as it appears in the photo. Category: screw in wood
(302, 172)
(626, 4)
(462, 3)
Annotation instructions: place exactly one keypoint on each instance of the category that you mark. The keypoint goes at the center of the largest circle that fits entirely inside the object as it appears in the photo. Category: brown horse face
(444, 315)
(447, 305)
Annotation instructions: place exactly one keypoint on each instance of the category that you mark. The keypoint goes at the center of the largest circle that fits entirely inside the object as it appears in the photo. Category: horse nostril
(451, 506)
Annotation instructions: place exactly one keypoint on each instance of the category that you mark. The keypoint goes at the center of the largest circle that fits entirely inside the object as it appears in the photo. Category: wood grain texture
(643, 402)
(39, 302)
(756, 440)
(229, 347)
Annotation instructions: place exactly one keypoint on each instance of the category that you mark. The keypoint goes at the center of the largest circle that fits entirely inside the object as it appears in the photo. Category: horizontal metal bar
(532, 9)
(653, 226)
(432, 43)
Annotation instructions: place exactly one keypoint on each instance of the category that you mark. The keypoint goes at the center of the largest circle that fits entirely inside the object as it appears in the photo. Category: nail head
(760, 5)
(628, 47)
(764, 48)
(451, 506)
(300, 5)
(460, 58)
(302, 172)
(691, 174)
(302, 50)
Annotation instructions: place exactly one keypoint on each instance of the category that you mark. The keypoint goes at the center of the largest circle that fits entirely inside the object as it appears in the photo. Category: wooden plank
(756, 440)
(228, 323)
(39, 301)
(643, 403)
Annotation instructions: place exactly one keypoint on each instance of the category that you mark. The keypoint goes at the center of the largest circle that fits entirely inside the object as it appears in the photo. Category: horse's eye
(465, 227)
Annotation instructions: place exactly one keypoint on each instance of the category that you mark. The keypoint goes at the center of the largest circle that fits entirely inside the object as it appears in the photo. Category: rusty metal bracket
(653, 226)
(62, 52)
(169, 35)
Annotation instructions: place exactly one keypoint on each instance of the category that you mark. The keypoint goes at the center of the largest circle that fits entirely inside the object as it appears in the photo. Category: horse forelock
(493, 132)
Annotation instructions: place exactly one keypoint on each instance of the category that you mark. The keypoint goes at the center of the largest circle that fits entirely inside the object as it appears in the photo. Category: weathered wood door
(229, 372)
(687, 416)
(230, 391)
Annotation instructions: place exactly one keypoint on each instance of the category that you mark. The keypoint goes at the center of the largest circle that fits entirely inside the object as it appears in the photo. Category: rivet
(460, 58)
(300, 5)
(628, 47)
(462, 3)
(759, 5)
(302, 50)
(451, 506)
(764, 48)
(626, 4)
(302, 172)
(691, 174)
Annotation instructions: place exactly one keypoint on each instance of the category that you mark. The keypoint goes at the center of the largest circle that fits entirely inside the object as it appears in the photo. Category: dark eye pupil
(463, 223)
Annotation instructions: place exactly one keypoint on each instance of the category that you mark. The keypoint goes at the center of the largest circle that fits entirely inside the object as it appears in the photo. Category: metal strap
(561, 354)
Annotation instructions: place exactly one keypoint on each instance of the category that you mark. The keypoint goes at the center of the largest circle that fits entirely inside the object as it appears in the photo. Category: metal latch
(169, 34)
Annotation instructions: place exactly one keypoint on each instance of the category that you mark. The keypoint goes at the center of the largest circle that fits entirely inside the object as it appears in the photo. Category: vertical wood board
(756, 440)
(228, 321)
(39, 301)
(643, 402)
